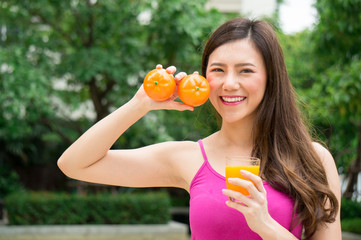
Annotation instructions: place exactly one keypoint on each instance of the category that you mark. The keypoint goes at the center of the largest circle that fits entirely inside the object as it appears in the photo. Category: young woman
(298, 187)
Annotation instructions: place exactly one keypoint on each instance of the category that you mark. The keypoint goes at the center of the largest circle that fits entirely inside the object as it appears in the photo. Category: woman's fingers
(180, 76)
(238, 206)
(255, 189)
(236, 196)
(248, 185)
(255, 179)
(171, 69)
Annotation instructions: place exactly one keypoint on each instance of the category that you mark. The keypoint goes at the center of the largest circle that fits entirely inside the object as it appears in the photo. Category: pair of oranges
(193, 89)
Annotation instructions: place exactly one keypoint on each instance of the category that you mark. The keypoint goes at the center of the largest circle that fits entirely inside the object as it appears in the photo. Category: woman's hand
(253, 207)
(169, 104)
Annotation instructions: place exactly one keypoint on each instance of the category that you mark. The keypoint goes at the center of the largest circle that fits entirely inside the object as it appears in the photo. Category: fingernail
(230, 180)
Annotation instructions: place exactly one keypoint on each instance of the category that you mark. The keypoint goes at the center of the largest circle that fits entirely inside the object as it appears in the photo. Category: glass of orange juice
(234, 165)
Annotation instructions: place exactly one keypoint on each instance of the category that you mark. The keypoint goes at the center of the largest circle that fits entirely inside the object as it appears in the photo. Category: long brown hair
(290, 162)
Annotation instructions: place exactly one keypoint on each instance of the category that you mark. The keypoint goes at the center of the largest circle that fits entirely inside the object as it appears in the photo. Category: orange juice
(234, 172)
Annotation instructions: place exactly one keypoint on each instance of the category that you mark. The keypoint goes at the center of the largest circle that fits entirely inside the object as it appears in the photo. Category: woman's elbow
(63, 165)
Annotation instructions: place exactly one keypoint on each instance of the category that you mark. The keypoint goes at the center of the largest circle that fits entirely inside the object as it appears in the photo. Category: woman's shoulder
(322, 151)
(186, 158)
(326, 157)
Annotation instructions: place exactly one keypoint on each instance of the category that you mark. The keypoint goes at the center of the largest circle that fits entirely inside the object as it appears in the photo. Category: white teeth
(233, 99)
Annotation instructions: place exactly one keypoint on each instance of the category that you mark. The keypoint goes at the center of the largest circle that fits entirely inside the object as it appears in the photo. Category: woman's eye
(247, 70)
(216, 70)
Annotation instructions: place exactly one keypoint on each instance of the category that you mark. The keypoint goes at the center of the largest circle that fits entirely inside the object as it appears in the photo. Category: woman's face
(237, 78)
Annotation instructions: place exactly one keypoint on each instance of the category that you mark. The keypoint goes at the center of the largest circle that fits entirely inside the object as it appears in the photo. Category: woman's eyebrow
(245, 64)
(217, 64)
(237, 65)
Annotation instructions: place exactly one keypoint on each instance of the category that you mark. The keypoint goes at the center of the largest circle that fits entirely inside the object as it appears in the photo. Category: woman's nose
(230, 82)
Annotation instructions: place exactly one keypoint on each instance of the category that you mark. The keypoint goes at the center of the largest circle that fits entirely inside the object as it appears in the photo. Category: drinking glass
(234, 165)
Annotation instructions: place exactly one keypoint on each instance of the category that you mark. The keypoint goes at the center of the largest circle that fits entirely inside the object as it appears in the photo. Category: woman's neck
(237, 135)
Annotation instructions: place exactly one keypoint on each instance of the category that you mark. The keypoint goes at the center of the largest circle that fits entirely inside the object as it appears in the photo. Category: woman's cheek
(213, 85)
(212, 82)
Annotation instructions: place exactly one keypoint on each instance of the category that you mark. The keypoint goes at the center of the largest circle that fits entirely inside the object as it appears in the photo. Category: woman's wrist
(275, 231)
(269, 230)
(139, 106)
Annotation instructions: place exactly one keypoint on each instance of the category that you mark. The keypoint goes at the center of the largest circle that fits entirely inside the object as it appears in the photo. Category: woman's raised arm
(89, 158)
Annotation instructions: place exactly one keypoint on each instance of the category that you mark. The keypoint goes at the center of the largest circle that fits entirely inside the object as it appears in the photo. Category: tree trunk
(354, 169)
(97, 97)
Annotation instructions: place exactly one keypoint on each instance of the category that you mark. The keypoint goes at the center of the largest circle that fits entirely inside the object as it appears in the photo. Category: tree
(337, 33)
(66, 64)
(338, 89)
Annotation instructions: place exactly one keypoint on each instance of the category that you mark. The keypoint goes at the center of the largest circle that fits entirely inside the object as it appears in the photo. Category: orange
(193, 90)
(159, 85)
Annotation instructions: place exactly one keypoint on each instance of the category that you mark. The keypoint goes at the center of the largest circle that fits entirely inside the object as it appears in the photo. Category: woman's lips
(232, 100)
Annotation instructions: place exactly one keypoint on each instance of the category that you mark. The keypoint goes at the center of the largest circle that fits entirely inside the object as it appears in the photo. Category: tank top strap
(203, 151)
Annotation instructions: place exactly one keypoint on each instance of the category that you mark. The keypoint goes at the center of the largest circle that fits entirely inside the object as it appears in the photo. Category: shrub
(351, 225)
(350, 209)
(35, 208)
(9, 181)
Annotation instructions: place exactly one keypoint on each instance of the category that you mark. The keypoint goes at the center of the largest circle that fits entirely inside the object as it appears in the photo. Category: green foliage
(44, 208)
(9, 181)
(340, 88)
(350, 215)
(180, 201)
(299, 59)
(177, 32)
(350, 209)
(66, 64)
(24, 97)
(342, 83)
(335, 101)
(337, 53)
(337, 33)
(351, 225)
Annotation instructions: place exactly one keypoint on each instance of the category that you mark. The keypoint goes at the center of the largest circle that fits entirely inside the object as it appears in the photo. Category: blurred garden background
(66, 64)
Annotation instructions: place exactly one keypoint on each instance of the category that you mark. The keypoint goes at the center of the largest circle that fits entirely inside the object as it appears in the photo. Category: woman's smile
(232, 100)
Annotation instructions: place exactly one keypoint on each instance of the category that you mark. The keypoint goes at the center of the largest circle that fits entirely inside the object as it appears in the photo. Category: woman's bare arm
(330, 230)
(89, 158)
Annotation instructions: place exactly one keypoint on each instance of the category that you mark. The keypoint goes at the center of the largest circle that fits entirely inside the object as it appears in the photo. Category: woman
(298, 186)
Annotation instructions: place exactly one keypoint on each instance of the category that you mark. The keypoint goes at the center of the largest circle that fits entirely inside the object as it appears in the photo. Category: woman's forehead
(239, 52)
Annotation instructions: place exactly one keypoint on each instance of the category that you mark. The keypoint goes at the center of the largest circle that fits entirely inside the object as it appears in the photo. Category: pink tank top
(211, 219)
